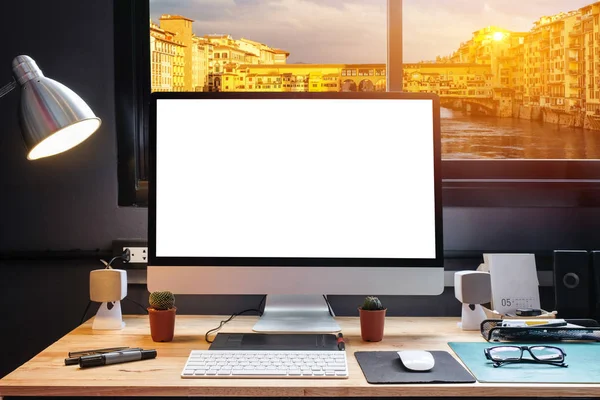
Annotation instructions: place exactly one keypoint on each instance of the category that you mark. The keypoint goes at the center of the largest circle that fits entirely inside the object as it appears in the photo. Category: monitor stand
(296, 314)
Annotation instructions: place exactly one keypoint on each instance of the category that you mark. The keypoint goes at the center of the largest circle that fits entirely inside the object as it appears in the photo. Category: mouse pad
(386, 367)
(581, 358)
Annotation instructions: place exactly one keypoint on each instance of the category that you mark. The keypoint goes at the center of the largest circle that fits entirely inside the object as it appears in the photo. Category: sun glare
(498, 36)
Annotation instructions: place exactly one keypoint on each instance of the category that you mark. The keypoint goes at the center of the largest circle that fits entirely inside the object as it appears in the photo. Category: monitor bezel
(154, 260)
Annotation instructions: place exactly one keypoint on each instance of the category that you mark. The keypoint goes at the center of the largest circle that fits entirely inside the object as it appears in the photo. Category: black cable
(261, 302)
(85, 312)
(227, 320)
(112, 259)
(257, 310)
(328, 306)
(141, 306)
(126, 256)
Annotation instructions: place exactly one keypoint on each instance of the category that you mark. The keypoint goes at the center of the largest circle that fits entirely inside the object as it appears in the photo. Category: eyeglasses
(501, 355)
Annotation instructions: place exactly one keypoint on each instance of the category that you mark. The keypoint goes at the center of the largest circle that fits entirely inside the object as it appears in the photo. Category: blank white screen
(320, 178)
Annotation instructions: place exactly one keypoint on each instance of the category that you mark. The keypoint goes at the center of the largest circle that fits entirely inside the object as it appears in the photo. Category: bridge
(480, 104)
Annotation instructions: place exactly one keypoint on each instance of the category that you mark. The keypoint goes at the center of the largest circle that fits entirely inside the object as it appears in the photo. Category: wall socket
(139, 255)
(138, 249)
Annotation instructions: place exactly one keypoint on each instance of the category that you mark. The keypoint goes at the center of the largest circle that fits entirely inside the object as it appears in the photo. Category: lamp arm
(7, 88)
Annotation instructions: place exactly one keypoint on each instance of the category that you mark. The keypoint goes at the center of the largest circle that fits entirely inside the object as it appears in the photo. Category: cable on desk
(261, 303)
(85, 312)
(141, 306)
(328, 306)
(256, 310)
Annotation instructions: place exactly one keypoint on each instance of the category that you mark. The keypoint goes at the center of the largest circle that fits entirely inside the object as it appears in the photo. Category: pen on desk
(116, 357)
(95, 351)
(75, 360)
(340, 342)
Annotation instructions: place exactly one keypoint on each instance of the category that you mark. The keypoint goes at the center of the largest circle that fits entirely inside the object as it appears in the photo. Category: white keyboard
(265, 364)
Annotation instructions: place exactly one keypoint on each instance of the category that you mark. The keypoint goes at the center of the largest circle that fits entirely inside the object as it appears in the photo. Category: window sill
(520, 193)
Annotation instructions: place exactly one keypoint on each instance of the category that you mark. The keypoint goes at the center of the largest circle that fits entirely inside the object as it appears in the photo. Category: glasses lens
(543, 353)
(505, 353)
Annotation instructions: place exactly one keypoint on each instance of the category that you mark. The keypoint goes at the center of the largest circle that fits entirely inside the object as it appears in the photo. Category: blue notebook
(582, 360)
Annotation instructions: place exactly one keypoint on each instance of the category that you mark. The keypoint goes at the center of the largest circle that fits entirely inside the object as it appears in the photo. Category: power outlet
(139, 255)
(138, 249)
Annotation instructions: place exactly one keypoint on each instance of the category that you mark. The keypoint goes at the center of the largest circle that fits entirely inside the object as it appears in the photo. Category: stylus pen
(95, 351)
(75, 360)
(116, 357)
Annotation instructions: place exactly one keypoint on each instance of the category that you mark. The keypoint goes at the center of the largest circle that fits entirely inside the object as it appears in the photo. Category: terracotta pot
(162, 324)
(371, 324)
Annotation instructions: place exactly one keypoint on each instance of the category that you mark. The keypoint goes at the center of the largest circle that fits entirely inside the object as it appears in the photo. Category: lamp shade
(53, 118)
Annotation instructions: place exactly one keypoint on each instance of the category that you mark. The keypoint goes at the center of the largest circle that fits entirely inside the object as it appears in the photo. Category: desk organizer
(493, 314)
(493, 331)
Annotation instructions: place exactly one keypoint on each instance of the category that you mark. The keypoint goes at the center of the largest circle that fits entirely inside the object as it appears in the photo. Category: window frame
(466, 183)
(132, 99)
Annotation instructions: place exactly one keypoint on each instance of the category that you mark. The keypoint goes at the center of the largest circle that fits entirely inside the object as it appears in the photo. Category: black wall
(61, 203)
(70, 202)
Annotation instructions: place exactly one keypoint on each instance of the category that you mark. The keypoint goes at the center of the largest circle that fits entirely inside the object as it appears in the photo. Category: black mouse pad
(386, 367)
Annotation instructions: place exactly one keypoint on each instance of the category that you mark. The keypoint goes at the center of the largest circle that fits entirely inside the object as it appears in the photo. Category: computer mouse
(417, 360)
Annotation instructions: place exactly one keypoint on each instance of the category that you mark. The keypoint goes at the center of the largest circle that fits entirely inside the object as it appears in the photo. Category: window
(491, 161)
(532, 122)
(190, 51)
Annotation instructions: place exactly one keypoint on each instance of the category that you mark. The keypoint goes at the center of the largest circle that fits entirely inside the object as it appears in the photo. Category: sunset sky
(354, 31)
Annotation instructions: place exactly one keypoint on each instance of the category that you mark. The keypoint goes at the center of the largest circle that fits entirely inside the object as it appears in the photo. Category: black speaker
(572, 284)
(595, 279)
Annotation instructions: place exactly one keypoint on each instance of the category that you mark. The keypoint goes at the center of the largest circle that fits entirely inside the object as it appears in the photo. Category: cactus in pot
(162, 316)
(162, 300)
(372, 303)
(372, 319)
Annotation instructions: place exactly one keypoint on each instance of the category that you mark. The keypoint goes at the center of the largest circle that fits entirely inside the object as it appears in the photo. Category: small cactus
(372, 303)
(162, 300)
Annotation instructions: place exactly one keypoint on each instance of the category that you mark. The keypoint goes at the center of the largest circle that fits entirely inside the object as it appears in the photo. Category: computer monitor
(296, 196)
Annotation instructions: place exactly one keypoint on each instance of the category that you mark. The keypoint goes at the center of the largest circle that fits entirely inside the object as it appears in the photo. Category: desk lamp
(53, 118)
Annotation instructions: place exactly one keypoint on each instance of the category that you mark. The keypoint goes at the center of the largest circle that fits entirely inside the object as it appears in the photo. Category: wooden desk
(46, 374)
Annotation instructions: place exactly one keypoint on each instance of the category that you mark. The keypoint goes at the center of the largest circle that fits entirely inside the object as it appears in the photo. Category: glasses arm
(8, 88)
(525, 360)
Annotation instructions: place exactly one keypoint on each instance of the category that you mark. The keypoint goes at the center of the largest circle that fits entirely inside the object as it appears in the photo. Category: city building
(551, 72)
(584, 40)
(165, 51)
(202, 53)
(302, 78)
(182, 27)
(554, 67)
(449, 79)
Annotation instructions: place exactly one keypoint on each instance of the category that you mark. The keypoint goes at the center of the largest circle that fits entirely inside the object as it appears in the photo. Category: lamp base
(109, 318)
(472, 316)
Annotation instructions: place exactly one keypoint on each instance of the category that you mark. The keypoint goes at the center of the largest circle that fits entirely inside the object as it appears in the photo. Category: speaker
(572, 283)
(108, 286)
(472, 288)
(595, 292)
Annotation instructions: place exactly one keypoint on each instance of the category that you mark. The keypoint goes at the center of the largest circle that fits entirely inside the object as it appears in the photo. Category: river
(476, 137)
